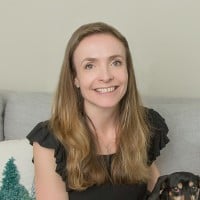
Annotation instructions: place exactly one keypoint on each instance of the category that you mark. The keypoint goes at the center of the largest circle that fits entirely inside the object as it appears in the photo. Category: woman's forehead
(99, 46)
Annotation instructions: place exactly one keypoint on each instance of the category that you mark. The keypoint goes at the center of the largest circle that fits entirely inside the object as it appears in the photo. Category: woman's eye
(116, 63)
(88, 66)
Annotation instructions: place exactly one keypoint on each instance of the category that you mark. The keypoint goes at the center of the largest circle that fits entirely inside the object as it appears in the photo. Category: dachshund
(176, 186)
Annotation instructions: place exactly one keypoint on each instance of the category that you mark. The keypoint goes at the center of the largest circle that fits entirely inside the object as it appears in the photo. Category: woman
(99, 143)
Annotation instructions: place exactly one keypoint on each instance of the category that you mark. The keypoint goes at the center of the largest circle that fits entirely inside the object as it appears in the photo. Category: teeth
(105, 90)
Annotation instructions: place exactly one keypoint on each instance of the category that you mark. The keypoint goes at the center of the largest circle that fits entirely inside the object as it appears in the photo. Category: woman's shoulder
(158, 134)
(43, 134)
(156, 121)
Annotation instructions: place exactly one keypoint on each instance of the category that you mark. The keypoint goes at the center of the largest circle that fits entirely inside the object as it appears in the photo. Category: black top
(159, 139)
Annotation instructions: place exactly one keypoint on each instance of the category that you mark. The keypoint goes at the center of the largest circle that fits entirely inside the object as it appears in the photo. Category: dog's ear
(199, 188)
(159, 187)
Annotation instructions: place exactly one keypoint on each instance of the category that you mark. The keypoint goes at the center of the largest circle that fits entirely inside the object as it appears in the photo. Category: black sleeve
(42, 134)
(159, 131)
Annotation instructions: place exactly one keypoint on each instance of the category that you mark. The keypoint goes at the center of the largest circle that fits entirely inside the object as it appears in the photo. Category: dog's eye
(194, 188)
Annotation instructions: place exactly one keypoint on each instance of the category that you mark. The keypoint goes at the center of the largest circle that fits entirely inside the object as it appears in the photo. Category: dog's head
(177, 186)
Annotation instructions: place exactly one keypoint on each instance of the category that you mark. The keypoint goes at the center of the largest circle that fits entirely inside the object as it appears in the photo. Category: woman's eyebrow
(88, 59)
(116, 56)
(91, 59)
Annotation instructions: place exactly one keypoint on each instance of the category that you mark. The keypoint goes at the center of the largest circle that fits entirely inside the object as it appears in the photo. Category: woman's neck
(103, 124)
(103, 120)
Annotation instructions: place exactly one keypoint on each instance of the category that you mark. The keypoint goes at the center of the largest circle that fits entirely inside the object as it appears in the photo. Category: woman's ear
(76, 82)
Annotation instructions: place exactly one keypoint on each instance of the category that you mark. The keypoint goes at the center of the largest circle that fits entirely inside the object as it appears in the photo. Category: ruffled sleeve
(42, 134)
(159, 131)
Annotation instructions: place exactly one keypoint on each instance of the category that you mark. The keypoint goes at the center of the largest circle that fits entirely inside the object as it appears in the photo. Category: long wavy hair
(68, 121)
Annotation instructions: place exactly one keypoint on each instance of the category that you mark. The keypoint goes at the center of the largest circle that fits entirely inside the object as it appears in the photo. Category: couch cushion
(183, 151)
(16, 170)
(1, 118)
(23, 111)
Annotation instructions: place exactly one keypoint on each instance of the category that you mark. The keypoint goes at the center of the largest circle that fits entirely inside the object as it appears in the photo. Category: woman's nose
(106, 74)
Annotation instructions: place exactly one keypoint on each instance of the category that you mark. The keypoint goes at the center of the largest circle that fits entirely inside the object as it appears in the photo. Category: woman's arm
(154, 174)
(48, 184)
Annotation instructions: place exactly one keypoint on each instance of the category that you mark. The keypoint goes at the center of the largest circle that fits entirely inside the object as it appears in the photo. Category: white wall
(164, 36)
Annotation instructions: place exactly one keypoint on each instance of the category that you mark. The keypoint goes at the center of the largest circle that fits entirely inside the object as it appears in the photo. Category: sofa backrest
(1, 117)
(23, 110)
(183, 119)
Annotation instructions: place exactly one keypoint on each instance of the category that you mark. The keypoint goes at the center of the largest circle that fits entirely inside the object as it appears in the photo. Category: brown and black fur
(177, 186)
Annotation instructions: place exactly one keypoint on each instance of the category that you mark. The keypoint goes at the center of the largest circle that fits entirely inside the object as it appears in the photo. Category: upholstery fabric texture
(1, 118)
(24, 111)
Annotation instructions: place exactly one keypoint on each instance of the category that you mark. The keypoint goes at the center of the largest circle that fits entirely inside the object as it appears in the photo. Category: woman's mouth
(106, 90)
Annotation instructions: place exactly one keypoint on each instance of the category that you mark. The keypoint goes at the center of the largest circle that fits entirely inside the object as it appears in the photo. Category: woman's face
(101, 71)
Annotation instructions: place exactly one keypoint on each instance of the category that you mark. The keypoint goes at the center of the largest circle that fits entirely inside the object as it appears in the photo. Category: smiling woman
(100, 142)
(101, 71)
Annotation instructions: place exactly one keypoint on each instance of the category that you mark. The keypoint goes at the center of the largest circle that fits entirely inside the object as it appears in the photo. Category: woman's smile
(106, 89)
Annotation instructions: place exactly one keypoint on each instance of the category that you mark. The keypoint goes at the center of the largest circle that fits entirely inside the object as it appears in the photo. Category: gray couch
(20, 111)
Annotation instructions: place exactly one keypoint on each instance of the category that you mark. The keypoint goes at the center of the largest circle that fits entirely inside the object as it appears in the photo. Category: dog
(176, 186)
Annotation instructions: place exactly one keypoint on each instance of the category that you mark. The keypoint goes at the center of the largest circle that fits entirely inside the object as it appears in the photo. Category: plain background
(164, 38)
